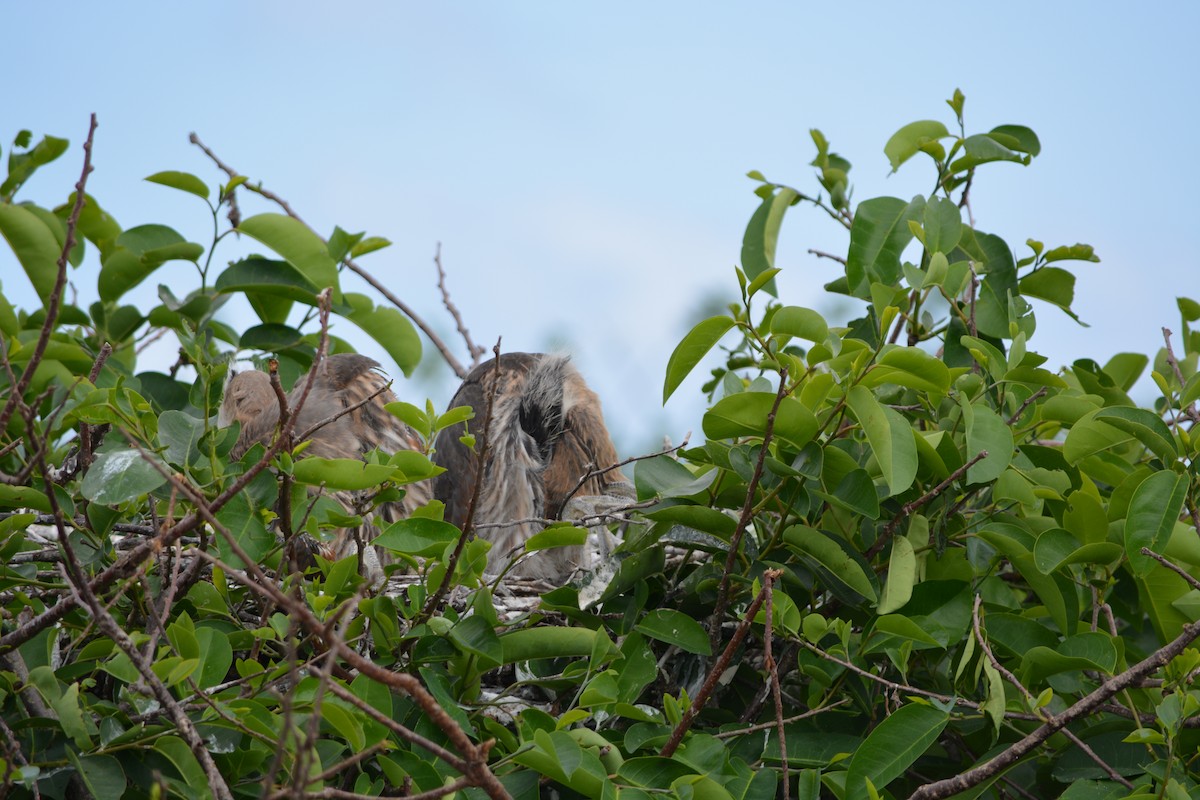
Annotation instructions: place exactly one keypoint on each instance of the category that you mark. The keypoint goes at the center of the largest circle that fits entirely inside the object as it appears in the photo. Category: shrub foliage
(909, 559)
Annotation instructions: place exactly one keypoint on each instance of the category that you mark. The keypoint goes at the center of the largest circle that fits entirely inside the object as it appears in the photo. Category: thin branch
(54, 301)
(773, 672)
(714, 630)
(435, 600)
(1190, 412)
(762, 726)
(830, 256)
(596, 473)
(714, 675)
(477, 352)
(908, 508)
(349, 262)
(1033, 398)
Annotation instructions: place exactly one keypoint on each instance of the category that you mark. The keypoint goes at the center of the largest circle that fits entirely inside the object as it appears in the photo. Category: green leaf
(389, 328)
(1051, 284)
(986, 430)
(102, 775)
(1019, 138)
(802, 323)
(1089, 436)
(556, 536)
(183, 181)
(266, 276)
(911, 367)
(299, 246)
(1147, 426)
(676, 628)
(745, 414)
(825, 552)
(341, 473)
(894, 746)
(878, 236)
(694, 347)
(942, 224)
(216, 657)
(137, 253)
(22, 165)
(181, 434)
(902, 573)
(120, 475)
(182, 758)
(1155, 506)
(418, 536)
(762, 234)
(528, 644)
(890, 437)
(475, 635)
(33, 244)
(906, 142)
(982, 148)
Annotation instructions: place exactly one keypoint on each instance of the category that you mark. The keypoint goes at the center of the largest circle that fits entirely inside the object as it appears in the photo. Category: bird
(344, 416)
(547, 447)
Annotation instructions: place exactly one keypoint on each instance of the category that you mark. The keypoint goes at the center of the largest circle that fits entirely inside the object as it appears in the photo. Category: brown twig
(435, 600)
(908, 508)
(1190, 412)
(773, 673)
(477, 352)
(719, 668)
(349, 262)
(1033, 398)
(763, 726)
(596, 473)
(54, 301)
(830, 256)
(714, 631)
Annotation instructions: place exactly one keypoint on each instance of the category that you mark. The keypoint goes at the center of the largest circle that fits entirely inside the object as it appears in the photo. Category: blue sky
(583, 166)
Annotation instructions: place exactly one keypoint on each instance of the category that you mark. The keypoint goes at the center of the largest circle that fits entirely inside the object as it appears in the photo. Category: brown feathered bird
(547, 432)
(342, 381)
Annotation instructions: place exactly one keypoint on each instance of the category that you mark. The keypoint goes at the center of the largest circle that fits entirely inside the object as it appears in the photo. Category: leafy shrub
(908, 560)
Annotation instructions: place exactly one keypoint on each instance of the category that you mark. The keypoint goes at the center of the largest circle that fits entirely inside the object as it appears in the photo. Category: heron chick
(342, 381)
(547, 433)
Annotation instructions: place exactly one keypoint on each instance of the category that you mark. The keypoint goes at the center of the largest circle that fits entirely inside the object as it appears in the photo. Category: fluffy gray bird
(342, 381)
(547, 431)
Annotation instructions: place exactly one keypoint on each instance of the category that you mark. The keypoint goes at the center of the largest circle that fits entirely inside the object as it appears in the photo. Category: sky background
(583, 165)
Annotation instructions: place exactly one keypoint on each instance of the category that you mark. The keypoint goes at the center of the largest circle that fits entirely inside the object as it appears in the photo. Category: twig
(773, 673)
(1190, 412)
(908, 508)
(332, 418)
(1033, 398)
(965, 200)
(349, 262)
(714, 631)
(762, 726)
(596, 473)
(1178, 570)
(719, 668)
(54, 301)
(435, 600)
(1081, 708)
(477, 352)
(830, 256)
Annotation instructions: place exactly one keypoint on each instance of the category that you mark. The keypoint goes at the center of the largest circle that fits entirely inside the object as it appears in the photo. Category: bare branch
(477, 352)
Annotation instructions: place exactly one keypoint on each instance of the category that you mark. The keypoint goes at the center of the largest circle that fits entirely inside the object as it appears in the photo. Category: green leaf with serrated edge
(902, 573)
(121, 475)
(389, 328)
(762, 235)
(895, 744)
(183, 181)
(1147, 426)
(831, 557)
(299, 246)
(906, 142)
(695, 346)
(803, 323)
(1156, 504)
(675, 628)
(33, 244)
(890, 437)
(745, 414)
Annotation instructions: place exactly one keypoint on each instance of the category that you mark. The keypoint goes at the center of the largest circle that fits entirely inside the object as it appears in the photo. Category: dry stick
(830, 256)
(349, 262)
(714, 631)
(773, 672)
(1032, 701)
(60, 281)
(1190, 412)
(475, 350)
(596, 473)
(435, 600)
(1081, 708)
(719, 668)
(85, 430)
(130, 563)
(908, 508)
